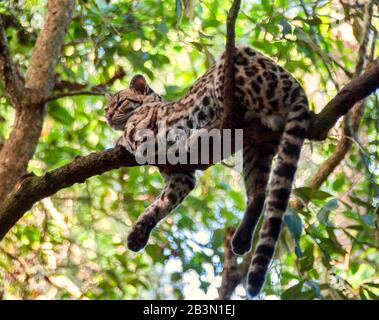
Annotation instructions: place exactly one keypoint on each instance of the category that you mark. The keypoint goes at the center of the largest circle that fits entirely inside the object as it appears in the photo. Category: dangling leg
(279, 193)
(177, 187)
(256, 170)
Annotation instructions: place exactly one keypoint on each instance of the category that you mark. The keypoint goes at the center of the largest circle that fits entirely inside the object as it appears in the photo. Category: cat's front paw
(241, 242)
(139, 236)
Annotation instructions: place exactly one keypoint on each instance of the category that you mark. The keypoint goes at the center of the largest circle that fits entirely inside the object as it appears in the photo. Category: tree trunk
(28, 99)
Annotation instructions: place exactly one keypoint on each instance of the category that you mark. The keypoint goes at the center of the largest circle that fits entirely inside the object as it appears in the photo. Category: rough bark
(27, 126)
(20, 146)
(40, 75)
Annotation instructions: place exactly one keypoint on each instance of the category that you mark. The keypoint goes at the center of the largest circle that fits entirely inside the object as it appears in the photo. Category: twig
(73, 93)
(75, 89)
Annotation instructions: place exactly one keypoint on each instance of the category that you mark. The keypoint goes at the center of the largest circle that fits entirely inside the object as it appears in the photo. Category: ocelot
(266, 92)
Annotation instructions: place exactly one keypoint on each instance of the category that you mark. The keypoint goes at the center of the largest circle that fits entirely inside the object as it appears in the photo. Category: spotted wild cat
(265, 91)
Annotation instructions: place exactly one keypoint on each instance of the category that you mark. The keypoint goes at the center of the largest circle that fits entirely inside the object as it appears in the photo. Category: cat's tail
(280, 187)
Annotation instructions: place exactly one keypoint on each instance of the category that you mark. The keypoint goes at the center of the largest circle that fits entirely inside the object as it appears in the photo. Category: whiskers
(102, 119)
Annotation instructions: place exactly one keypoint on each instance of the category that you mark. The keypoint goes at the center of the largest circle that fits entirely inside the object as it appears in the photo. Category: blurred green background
(71, 245)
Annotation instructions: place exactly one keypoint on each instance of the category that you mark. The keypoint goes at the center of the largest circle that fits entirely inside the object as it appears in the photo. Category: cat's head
(121, 105)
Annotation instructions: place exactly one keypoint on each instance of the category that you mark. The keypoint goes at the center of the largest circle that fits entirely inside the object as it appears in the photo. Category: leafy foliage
(72, 244)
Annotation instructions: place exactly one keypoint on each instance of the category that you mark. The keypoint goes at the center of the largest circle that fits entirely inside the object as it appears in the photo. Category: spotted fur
(265, 91)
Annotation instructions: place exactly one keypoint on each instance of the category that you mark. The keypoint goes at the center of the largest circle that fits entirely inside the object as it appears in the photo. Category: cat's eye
(106, 109)
(119, 103)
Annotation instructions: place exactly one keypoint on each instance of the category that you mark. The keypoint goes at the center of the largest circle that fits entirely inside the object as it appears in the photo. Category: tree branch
(13, 83)
(233, 272)
(72, 94)
(351, 122)
(29, 117)
(75, 89)
(232, 116)
(31, 188)
(356, 90)
(40, 74)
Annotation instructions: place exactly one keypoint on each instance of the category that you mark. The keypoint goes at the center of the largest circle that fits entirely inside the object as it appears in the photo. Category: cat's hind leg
(257, 160)
(177, 187)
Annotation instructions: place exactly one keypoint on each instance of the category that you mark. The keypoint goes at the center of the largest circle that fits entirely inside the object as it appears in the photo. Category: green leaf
(266, 5)
(306, 262)
(293, 292)
(204, 285)
(156, 252)
(369, 219)
(357, 28)
(361, 203)
(176, 276)
(286, 27)
(177, 9)
(323, 214)
(371, 294)
(313, 21)
(294, 223)
(60, 114)
(307, 194)
(298, 251)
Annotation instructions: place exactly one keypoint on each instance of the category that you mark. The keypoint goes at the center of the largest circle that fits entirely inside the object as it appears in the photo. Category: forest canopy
(57, 61)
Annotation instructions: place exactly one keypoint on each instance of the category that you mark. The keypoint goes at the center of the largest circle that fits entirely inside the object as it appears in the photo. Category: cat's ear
(139, 84)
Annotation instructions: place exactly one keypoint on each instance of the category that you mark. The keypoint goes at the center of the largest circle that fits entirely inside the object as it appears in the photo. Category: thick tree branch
(339, 153)
(29, 117)
(356, 90)
(32, 188)
(40, 75)
(12, 81)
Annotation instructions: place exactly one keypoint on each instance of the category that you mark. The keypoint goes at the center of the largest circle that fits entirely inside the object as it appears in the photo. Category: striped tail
(279, 192)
